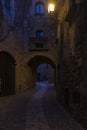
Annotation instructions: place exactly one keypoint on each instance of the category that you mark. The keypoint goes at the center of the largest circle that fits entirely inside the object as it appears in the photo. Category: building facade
(29, 37)
(27, 40)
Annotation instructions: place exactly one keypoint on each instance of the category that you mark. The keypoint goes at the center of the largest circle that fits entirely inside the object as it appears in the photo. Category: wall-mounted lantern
(51, 7)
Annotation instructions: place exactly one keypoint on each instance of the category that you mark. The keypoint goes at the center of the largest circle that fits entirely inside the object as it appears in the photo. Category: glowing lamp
(51, 7)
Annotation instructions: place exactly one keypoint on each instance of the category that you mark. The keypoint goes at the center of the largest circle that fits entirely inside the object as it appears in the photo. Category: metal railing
(38, 43)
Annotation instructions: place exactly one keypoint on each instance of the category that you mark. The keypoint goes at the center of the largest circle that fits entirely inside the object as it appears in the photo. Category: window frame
(38, 34)
(39, 8)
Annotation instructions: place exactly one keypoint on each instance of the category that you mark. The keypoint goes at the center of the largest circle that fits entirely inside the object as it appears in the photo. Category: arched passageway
(43, 62)
(45, 72)
(7, 74)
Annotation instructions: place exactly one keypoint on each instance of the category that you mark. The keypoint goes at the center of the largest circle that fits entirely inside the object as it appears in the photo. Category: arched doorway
(39, 62)
(42, 72)
(45, 72)
(7, 74)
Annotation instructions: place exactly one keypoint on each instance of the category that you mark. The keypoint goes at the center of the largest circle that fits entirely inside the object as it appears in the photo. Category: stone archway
(36, 61)
(7, 74)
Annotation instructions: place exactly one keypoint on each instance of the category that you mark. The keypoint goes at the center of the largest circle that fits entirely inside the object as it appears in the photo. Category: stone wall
(15, 40)
(72, 58)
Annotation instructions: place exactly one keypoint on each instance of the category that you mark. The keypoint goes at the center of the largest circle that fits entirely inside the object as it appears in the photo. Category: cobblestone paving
(35, 110)
(13, 111)
(35, 117)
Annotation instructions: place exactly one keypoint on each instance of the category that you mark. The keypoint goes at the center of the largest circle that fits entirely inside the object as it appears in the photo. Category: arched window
(39, 8)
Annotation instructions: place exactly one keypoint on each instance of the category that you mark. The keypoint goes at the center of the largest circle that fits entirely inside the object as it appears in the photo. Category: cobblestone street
(35, 110)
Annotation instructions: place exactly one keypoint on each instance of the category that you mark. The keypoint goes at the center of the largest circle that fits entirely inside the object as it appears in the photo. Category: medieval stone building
(29, 36)
(26, 41)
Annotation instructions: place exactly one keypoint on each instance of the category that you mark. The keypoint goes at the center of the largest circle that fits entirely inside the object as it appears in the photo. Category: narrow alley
(35, 110)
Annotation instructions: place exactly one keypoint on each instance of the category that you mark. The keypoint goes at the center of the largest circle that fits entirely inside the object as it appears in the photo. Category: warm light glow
(51, 7)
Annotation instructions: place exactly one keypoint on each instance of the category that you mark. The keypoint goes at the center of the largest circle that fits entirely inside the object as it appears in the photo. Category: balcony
(38, 44)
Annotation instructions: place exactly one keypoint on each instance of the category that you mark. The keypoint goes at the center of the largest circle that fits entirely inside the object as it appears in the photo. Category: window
(39, 34)
(7, 5)
(9, 10)
(39, 8)
(39, 38)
